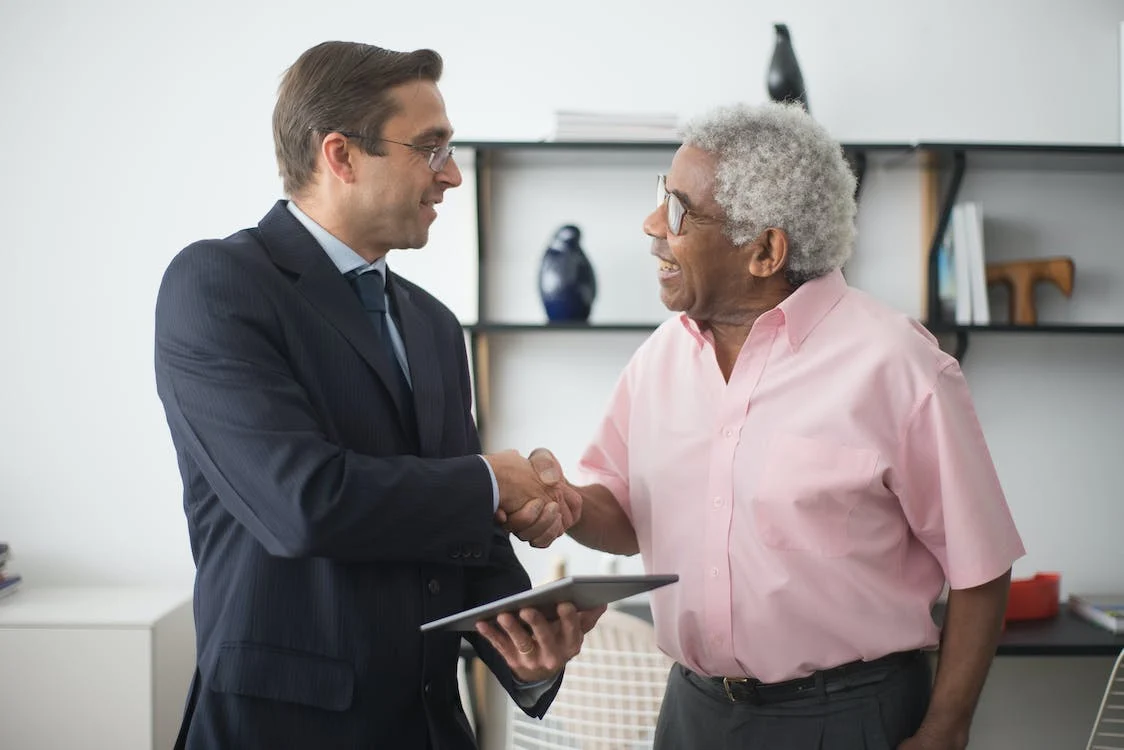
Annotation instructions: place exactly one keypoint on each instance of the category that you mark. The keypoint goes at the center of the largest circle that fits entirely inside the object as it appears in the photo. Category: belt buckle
(726, 686)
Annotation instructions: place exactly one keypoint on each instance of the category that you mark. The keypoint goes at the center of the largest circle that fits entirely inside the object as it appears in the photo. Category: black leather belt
(824, 682)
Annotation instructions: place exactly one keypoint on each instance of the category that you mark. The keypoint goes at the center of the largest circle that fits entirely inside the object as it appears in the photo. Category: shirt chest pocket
(808, 491)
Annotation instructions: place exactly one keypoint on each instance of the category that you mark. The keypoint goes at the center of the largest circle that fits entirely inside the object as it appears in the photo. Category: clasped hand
(537, 504)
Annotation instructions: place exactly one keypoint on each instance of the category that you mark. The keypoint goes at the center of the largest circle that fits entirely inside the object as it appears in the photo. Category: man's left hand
(537, 648)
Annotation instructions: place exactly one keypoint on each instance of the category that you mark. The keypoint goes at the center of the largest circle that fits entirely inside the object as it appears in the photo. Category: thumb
(545, 465)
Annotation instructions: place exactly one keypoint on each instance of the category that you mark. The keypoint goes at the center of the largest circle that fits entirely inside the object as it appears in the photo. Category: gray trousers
(696, 713)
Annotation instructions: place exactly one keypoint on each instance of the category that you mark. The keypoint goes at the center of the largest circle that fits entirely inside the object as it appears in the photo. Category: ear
(768, 253)
(338, 155)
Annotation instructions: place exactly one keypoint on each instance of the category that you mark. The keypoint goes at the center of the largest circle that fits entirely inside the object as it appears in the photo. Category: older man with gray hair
(805, 458)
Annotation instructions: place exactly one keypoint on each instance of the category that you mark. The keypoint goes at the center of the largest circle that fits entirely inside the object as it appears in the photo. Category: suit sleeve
(247, 425)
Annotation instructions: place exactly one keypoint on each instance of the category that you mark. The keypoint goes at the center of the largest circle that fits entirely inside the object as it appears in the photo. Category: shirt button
(714, 572)
(716, 640)
(718, 502)
(728, 433)
(434, 586)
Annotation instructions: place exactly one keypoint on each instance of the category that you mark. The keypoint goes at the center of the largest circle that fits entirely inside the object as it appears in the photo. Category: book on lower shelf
(1105, 610)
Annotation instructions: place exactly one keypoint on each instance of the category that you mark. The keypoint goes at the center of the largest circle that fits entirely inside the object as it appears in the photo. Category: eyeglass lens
(439, 157)
(675, 210)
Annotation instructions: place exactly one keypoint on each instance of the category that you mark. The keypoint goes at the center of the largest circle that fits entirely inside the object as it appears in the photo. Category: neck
(731, 331)
(333, 218)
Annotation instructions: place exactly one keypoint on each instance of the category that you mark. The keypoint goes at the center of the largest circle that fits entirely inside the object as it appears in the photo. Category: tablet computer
(585, 592)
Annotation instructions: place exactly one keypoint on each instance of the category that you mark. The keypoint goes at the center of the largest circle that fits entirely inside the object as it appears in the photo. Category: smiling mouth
(667, 266)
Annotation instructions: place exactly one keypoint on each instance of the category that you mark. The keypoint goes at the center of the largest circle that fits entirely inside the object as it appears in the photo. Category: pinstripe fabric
(324, 532)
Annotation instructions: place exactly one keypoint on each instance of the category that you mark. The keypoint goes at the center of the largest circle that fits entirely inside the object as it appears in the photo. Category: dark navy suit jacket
(325, 527)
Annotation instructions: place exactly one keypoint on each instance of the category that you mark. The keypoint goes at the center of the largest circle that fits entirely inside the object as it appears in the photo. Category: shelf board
(561, 327)
(1048, 157)
(635, 146)
(1076, 328)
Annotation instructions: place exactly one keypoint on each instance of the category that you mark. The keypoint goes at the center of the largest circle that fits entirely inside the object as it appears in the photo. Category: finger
(572, 501)
(570, 630)
(546, 466)
(565, 510)
(501, 517)
(522, 639)
(545, 634)
(541, 525)
(557, 529)
(526, 516)
(499, 639)
(589, 617)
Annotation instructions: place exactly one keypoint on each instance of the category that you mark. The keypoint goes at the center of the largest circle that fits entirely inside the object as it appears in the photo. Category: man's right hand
(537, 505)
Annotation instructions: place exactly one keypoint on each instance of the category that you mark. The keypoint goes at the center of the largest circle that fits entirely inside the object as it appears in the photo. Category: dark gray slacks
(870, 717)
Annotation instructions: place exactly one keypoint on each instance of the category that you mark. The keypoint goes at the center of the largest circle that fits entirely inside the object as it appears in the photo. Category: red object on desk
(1033, 598)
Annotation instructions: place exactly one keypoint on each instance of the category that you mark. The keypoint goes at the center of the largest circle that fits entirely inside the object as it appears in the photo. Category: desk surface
(1064, 635)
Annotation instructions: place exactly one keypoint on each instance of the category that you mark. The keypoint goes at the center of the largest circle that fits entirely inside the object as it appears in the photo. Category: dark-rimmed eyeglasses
(438, 156)
(675, 208)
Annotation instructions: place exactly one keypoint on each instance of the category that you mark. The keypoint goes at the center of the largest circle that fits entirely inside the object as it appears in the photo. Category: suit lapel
(320, 282)
(425, 369)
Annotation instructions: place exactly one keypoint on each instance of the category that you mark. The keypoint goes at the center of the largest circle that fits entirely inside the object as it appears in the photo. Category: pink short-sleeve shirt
(815, 505)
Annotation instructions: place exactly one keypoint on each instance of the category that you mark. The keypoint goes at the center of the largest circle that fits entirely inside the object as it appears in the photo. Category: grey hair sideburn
(777, 167)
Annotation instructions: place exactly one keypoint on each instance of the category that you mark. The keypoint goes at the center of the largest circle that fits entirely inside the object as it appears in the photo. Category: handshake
(537, 504)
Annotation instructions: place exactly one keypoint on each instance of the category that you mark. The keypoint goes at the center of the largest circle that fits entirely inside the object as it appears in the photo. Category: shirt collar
(345, 259)
(800, 312)
(807, 306)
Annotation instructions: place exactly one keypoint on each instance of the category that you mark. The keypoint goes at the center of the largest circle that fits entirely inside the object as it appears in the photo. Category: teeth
(665, 266)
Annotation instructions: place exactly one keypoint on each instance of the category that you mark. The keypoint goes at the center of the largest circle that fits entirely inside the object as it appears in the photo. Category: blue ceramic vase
(785, 83)
(566, 280)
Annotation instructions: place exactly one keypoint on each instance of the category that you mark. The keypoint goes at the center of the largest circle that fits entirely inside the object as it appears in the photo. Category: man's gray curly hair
(777, 167)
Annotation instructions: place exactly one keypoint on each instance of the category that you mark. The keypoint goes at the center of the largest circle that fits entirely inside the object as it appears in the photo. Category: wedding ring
(530, 647)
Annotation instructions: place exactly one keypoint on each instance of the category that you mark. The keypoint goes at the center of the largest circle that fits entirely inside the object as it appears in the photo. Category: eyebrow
(436, 133)
(681, 196)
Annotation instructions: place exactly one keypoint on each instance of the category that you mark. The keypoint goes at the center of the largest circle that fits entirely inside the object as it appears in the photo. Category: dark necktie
(371, 290)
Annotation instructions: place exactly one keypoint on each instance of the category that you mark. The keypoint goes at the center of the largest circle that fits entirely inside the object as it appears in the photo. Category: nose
(450, 174)
(655, 223)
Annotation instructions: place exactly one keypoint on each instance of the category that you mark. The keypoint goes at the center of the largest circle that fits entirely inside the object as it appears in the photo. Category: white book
(977, 266)
(1106, 610)
(961, 259)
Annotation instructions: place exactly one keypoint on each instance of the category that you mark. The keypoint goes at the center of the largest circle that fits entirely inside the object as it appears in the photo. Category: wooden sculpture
(1020, 276)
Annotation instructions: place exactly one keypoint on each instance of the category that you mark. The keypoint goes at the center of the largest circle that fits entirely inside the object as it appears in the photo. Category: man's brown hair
(339, 86)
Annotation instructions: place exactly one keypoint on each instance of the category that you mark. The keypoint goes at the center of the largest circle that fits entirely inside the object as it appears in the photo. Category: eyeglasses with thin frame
(675, 208)
(438, 156)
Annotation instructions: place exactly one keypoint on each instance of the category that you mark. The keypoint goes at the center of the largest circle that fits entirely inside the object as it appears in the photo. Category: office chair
(1108, 729)
(610, 696)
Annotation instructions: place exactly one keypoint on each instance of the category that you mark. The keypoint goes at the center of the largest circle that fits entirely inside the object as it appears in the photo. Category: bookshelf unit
(948, 164)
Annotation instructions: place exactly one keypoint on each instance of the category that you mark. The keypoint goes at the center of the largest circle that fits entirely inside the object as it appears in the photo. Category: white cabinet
(95, 668)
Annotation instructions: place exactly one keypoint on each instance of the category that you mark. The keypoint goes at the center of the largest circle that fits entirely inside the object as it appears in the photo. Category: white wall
(132, 128)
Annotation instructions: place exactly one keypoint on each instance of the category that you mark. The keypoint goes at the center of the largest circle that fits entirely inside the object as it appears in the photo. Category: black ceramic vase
(566, 280)
(785, 83)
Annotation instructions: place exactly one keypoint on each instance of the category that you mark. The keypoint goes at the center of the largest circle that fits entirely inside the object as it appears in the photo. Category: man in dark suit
(320, 410)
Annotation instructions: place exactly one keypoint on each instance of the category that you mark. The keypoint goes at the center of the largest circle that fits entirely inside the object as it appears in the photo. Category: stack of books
(9, 580)
(570, 125)
(1106, 610)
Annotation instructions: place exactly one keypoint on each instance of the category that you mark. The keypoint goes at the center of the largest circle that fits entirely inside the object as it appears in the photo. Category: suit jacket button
(477, 554)
(455, 554)
(434, 586)
(428, 688)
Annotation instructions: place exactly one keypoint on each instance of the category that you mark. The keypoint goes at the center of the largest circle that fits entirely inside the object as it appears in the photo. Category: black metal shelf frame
(952, 159)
